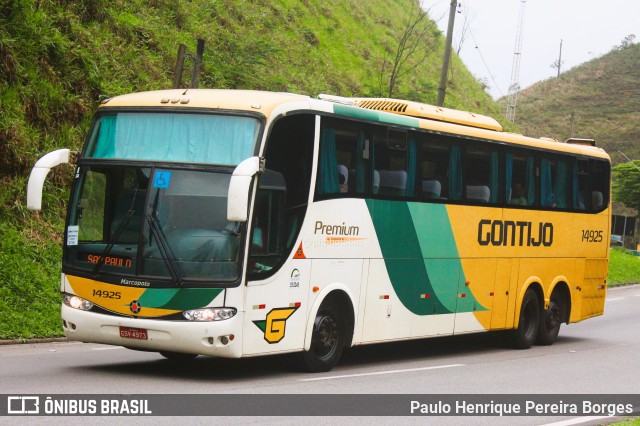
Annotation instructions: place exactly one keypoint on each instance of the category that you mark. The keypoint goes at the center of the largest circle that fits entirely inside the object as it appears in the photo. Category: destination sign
(111, 260)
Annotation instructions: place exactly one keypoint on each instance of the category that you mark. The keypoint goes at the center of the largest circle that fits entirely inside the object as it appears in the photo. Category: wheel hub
(327, 335)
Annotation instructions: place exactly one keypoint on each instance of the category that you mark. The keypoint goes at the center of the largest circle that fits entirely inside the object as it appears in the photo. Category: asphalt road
(599, 356)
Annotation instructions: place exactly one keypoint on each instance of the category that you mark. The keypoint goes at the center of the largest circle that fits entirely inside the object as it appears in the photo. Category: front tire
(525, 335)
(327, 340)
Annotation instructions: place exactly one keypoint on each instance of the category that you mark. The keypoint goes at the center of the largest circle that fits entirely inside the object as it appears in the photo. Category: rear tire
(550, 323)
(327, 340)
(177, 356)
(525, 335)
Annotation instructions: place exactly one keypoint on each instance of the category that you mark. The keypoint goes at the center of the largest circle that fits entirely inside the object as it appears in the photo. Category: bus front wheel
(327, 340)
(525, 335)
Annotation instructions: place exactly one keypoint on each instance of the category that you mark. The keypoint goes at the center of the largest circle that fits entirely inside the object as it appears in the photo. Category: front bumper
(203, 338)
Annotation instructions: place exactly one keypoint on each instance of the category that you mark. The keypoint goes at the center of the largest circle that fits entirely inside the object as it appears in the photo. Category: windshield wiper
(114, 240)
(165, 250)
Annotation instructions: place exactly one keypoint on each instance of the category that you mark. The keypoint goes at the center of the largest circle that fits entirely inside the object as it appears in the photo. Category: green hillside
(599, 99)
(58, 58)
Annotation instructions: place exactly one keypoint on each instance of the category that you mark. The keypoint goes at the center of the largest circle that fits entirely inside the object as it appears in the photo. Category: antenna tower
(514, 85)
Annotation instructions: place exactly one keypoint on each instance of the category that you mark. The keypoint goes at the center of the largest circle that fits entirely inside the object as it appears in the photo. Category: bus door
(276, 310)
(277, 280)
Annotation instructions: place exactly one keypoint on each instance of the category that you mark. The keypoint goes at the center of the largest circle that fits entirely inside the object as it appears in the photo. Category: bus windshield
(174, 137)
(163, 223)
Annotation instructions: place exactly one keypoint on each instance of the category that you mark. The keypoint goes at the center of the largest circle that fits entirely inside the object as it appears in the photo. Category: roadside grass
(30, 291)
(628, 422)
(624, 268)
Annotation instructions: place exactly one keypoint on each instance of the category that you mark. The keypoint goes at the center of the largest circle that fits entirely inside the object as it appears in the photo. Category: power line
(485, 63)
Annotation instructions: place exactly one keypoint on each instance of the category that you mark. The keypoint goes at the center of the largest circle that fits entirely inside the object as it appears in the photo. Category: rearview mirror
(39, 174)
(238, 196)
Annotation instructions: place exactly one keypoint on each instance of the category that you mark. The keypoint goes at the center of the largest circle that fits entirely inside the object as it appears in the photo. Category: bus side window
(395, 162)
(343, 163)
(520, 179)
(553, 183)
(441, 170)
(599, 174)
(482, 179)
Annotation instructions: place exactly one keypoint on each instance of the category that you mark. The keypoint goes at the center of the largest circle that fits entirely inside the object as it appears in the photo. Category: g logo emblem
(275, 323)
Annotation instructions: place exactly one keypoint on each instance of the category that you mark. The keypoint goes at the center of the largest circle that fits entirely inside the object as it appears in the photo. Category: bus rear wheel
(327, 340)
(525, 335)
(550, 323)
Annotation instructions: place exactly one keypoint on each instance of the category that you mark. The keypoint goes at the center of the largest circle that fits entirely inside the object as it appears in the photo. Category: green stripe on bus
(440, 253)
(402, 257)
(178, 299)
(421, 256)
(157, 297)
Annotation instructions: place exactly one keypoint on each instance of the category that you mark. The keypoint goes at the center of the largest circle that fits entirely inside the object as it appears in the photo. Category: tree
(415, 44)
(557, 65)
(628, 41)
(626, 184)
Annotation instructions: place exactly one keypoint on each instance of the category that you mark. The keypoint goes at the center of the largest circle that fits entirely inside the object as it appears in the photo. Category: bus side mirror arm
(39, 174)
(238, 197)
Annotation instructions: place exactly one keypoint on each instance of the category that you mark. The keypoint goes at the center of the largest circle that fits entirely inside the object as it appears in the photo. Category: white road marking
(614, 299)
(577, 421)
(377, 373)
(110, 348)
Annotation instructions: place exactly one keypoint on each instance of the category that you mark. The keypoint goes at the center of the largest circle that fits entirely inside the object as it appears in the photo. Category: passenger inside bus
(517, 195)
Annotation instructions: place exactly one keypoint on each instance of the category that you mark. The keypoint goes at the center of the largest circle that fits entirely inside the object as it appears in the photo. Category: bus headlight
(209, 314)
(76, 302)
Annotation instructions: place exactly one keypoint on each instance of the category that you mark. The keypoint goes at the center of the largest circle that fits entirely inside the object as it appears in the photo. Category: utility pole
(447, 53)
(573, 118)
(197, 65)
(560, 59)
(177, 74)
(514, 86)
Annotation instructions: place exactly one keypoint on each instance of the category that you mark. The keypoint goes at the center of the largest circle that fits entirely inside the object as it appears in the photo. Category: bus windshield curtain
(455, 173)
(411, 168)
(530, 182)
(360, 164)
(105, 147)
(199, 138)
(327, 182)
(508, 172)
(546, 191)
(560, 187)
(495, 180)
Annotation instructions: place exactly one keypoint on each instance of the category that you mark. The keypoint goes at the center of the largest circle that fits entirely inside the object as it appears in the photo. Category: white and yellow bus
(242, 223)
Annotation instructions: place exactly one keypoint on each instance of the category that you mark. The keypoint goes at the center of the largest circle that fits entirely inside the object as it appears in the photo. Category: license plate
(134, 333)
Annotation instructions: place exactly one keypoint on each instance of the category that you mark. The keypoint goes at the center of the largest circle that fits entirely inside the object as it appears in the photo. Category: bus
(237, 223)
